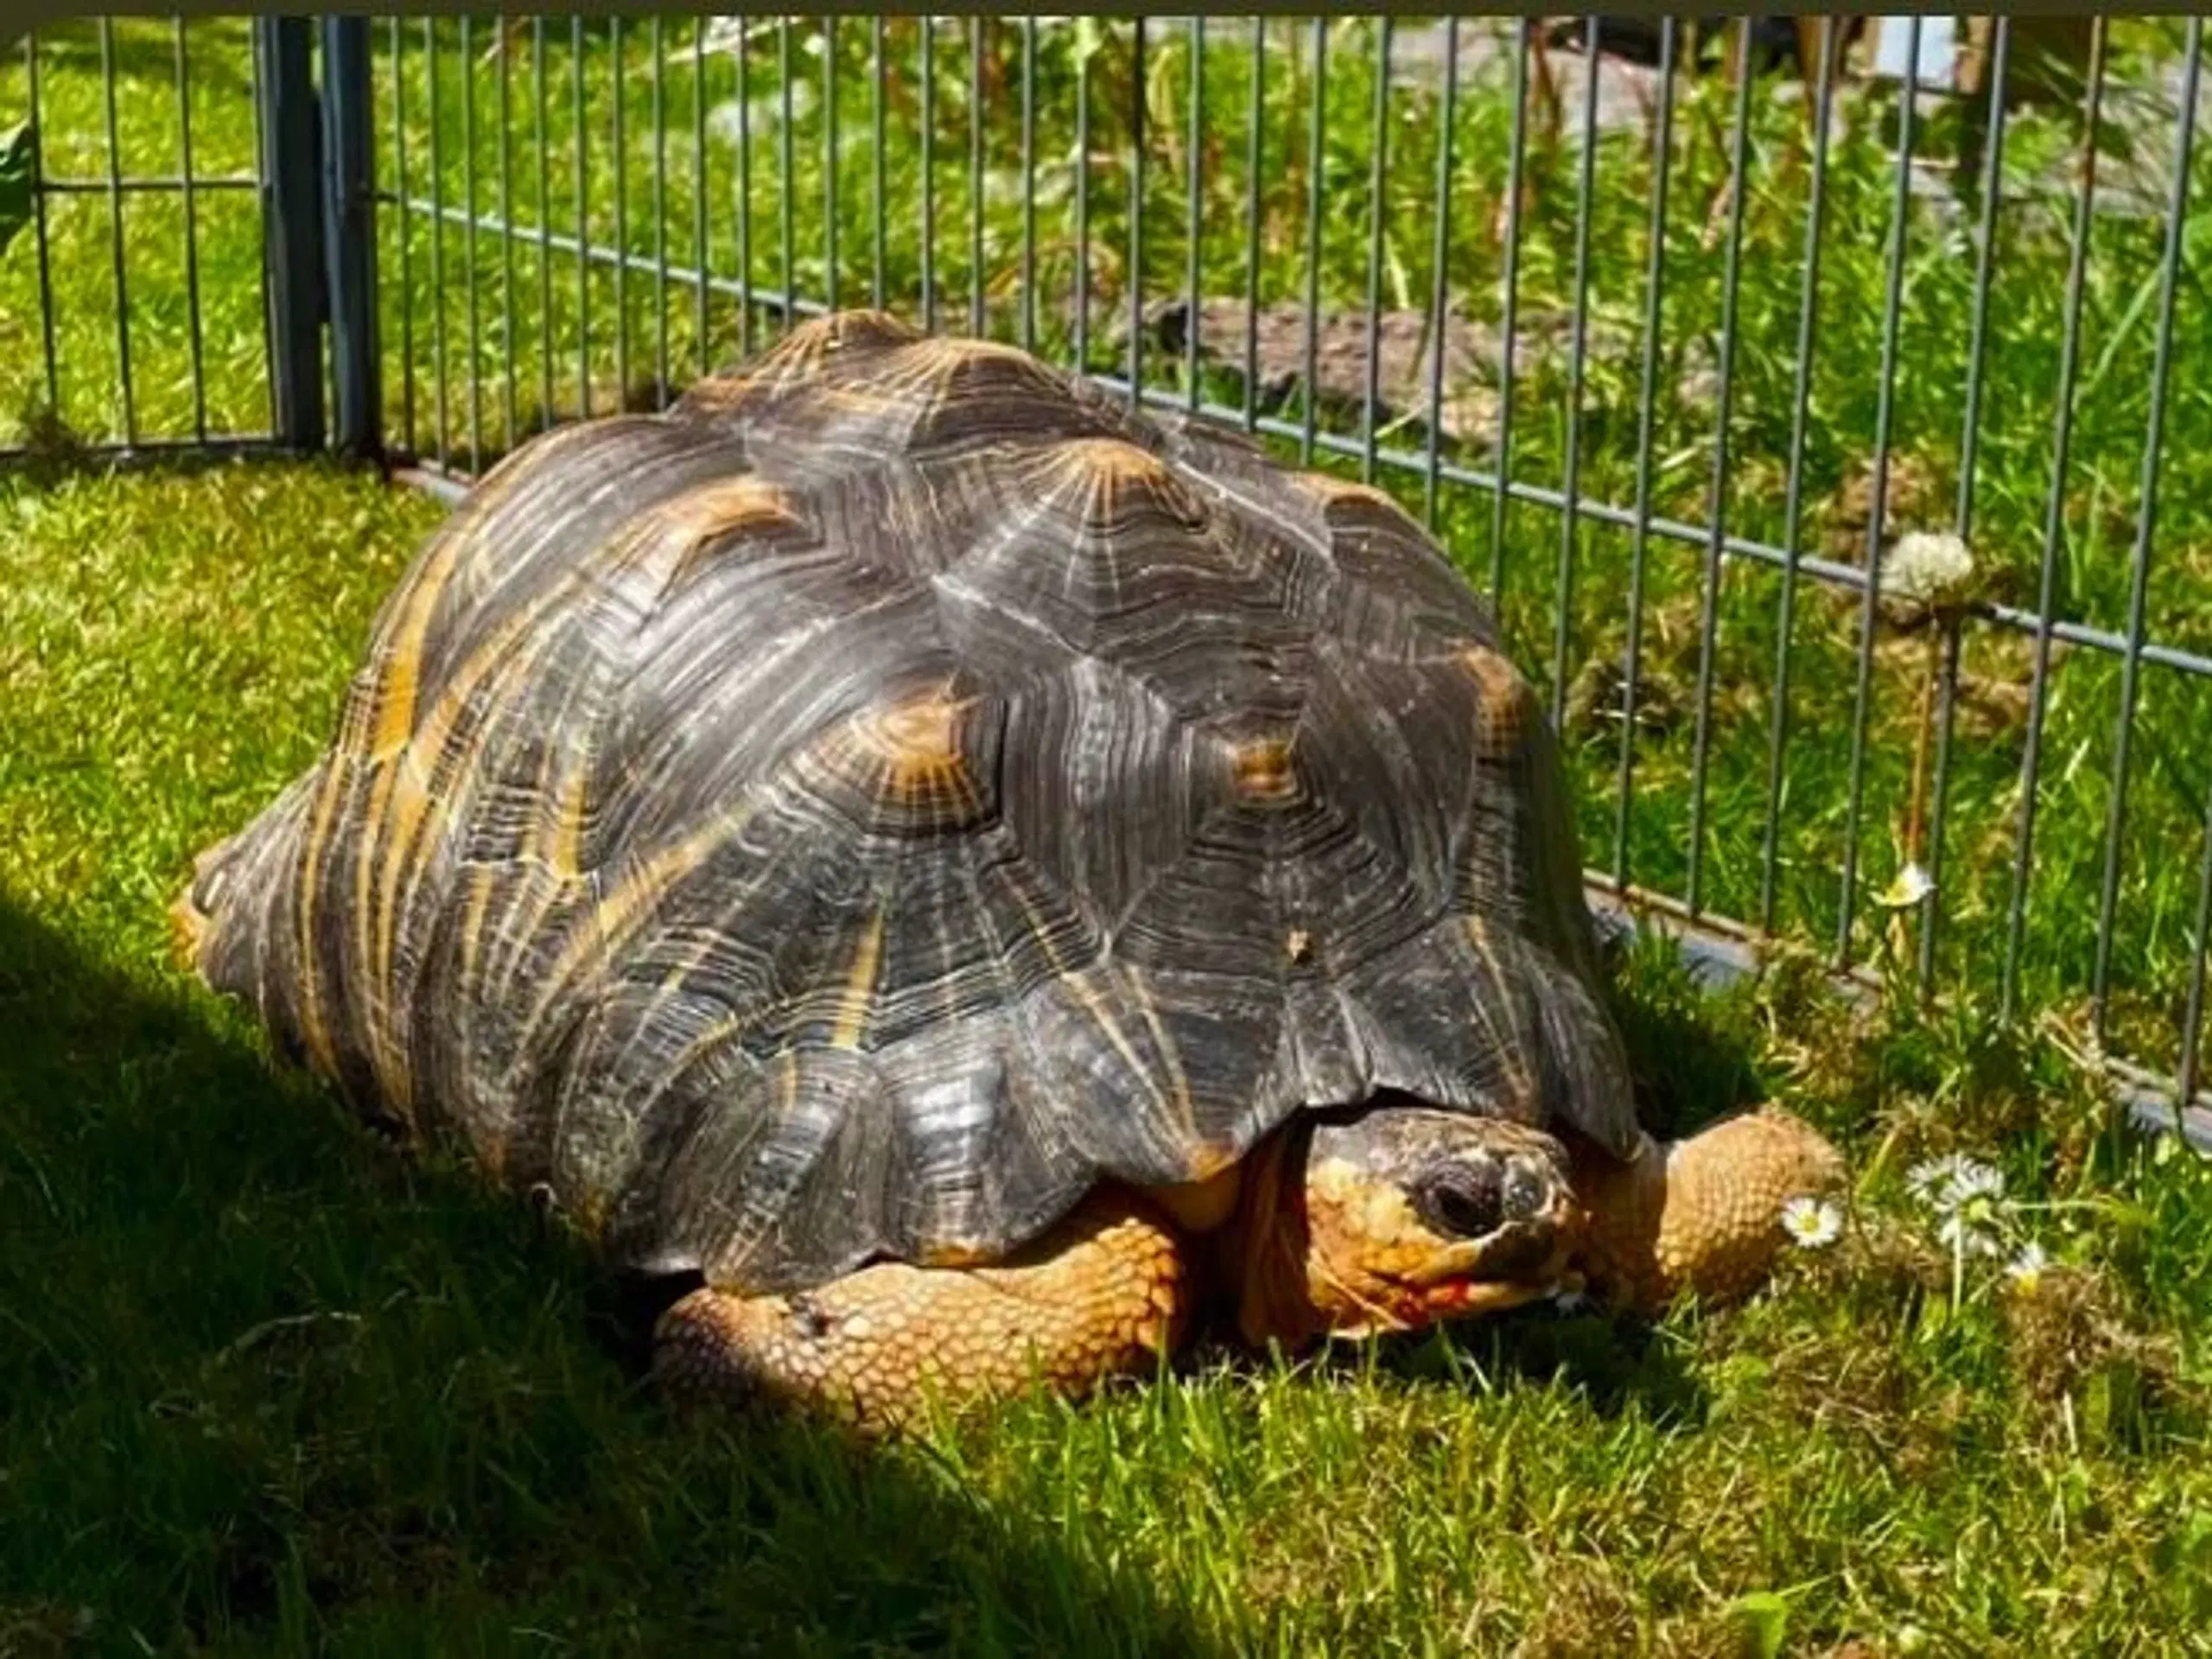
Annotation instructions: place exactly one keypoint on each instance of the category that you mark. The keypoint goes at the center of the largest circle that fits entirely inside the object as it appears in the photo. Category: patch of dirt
(1598, 704)
(2077, 1358)
(1405, 348)
(1914, 497)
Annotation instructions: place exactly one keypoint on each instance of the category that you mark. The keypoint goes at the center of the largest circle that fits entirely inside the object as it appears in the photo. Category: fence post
(349, 235)
(291, 226)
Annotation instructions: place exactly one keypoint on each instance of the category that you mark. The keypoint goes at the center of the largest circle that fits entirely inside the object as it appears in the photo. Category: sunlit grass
(265, 1387)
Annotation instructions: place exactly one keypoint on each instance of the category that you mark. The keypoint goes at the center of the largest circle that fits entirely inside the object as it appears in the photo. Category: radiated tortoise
(984, 881)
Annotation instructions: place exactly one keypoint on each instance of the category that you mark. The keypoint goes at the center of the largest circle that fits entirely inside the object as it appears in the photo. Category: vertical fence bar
(1870, 609)
(1717, 500)
(1509, 282)
(1134, 278)
(437, 238)
(929, 174)
(828, 159)
(701, 249)
(400, 188)
(544, 134)
(470, 231)
(658, 40)
(506, 94)
(191, 238)
(584, 216)
(1194, 180)
(975, 278)
(745, 189)
(349, 235)
(1439, 293)
(1316, 152)
(2054, 532)
(1785, 613)
(876, 117)
(115, 233)
(257, 80)
(1931, 915)
(1578, 352)
(291, 227)
(1254, 150)
(1081, 217)
(38, 226)
(1993, 180)
(618, 79)
(1029, 183)
(786, 227)
(2192, 1019)
(1655, 275)
(2139, 583)
(1377, 187)
(1931, 907)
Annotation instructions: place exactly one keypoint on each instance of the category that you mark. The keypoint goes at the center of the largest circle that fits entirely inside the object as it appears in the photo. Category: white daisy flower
(2026, 1270)
(1924, 1178)
(1948, 1185)
(1911, 885)
(1812, 1224)
(1972, 1179)
(1965, 1236)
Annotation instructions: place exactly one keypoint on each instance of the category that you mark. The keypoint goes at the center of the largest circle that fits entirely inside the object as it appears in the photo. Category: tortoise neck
(1265, 1245)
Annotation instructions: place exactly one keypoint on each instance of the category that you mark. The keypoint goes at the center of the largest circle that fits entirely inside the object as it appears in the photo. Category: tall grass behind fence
(131, 306)
(1722, 351)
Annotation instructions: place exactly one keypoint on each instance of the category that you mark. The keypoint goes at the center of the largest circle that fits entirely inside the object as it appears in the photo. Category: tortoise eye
(1460, 1201)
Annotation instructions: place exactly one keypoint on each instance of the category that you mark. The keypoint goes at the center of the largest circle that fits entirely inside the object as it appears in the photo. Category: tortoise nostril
(1460, 1199)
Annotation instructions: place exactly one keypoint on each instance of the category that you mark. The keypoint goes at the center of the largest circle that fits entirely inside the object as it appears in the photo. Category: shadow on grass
(1618, 1366)
(1690, 1059)
(265, 1384)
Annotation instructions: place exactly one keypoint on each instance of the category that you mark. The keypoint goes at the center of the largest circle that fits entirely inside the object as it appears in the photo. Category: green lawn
(265, 1387)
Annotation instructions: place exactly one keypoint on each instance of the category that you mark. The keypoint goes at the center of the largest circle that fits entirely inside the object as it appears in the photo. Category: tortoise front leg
(1103, 1293)
(1701, 1215)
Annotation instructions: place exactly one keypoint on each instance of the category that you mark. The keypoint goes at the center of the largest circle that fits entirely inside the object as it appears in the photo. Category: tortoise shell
(851, 814)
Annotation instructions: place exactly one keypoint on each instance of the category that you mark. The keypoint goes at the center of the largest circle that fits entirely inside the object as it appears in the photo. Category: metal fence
(1682, 360)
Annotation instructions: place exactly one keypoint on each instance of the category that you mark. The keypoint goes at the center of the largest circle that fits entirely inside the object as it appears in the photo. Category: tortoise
(970, 882)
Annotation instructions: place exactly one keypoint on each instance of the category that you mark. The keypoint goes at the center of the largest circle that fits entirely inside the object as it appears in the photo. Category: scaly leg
(1103, 1293)
(1703, 1214)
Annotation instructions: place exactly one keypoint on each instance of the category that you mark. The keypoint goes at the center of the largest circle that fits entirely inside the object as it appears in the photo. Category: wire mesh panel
(133, 305)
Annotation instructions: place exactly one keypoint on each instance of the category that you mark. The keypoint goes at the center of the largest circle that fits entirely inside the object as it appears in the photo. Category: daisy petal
(1812, 1224)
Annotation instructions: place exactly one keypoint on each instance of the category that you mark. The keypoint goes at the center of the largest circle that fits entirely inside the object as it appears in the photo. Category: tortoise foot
(1103, 1294)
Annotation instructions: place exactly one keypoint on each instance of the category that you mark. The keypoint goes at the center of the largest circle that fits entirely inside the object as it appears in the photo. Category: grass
(265, 1388)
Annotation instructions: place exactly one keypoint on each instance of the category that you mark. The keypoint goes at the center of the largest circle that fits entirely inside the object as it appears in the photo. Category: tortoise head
(1400, 1215)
